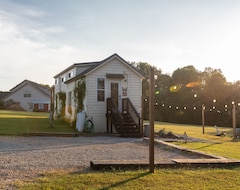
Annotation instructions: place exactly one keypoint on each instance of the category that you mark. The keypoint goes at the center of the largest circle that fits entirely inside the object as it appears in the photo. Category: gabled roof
(95, 65)
(89, 64)
(45, 90)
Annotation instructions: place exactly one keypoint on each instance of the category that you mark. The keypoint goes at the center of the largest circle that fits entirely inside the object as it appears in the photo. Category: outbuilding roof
(44, 89)
(92, 66)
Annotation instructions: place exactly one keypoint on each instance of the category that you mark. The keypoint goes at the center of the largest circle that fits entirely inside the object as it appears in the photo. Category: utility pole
(203, 118)
(151, 120)
(234, 120)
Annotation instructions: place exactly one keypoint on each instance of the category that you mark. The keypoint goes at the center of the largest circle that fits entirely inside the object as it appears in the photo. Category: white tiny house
(112, 79)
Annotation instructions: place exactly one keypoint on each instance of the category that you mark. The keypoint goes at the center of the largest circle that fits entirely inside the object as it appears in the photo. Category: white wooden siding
(94, 109)
(70, 88)
(36, 95)
(97, 110)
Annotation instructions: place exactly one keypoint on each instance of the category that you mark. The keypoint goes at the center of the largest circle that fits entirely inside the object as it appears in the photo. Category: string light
(211, 109)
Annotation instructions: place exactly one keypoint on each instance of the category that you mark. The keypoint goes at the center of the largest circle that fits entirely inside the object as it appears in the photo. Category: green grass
(167, 179)
(194, 130)
(18, 123)
(221, 146)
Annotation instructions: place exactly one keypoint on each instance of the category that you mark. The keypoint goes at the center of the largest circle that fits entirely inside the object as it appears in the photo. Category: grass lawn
(18, 122)
(167, 179)
(221, 146)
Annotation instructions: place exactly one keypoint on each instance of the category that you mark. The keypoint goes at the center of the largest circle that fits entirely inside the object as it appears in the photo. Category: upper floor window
(100, 89)
(63, 79)
(70, 74)
(27, 95)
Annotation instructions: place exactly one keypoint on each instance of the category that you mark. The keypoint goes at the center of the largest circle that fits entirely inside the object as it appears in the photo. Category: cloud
(27, 53)
(32, 12)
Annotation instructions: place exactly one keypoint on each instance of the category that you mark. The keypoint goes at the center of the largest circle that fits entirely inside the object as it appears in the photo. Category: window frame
(27, 94)
(101, 89)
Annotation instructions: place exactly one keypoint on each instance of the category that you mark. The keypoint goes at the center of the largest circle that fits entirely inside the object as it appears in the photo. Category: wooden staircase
(127, 123)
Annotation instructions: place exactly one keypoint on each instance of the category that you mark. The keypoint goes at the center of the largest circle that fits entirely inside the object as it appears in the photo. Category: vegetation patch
(20, 122)
(168, 134)
(168, 179)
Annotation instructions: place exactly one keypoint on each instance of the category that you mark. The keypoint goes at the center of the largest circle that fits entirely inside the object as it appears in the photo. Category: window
(70, 74)
(30, 105)
(100, 89)
(40, 106)
(63, 79)
(27, 95)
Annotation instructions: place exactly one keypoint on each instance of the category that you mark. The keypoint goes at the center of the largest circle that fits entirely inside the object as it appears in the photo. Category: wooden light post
(234, 119)
(203, 119)
(151, 120)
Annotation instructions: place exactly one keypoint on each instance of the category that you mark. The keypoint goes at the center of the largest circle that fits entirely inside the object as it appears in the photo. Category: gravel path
(25, 158)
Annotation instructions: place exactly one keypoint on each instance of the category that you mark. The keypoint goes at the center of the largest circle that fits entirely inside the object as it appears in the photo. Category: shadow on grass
(209, 145)
(120, 183)
(202, 147)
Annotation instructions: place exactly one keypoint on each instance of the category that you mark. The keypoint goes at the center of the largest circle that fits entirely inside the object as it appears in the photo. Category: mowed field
(17, 123)
(20, 122)
(221, 146)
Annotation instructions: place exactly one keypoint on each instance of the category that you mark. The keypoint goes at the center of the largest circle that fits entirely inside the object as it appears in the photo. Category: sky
(40, 38)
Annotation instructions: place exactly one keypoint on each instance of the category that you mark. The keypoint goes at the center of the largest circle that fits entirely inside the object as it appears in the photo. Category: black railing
(127, 107)
(113, 116)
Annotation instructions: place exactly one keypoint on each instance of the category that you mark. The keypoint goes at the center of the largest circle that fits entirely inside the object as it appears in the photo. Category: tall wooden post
(203, 119)
(151, 120)
(52, 106)
(234, 120)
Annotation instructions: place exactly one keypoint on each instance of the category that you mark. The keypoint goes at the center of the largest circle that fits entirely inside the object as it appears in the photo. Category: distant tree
(145, 68)
(185, 75)
(214, 85)
(184, 95)
(45, 85)
(179, 98)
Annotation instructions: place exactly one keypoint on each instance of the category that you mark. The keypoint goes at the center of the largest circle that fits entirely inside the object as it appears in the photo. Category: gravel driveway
(24, 158)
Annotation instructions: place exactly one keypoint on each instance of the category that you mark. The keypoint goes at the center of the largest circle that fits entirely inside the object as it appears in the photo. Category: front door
(115, 94)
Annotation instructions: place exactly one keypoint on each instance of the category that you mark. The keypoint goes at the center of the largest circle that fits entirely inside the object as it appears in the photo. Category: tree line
(182, 97)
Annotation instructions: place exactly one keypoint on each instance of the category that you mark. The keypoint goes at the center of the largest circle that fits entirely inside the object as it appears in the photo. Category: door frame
(119, 92)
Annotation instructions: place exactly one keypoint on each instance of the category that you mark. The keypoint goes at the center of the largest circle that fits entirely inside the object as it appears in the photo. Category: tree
(185, 75)
(144, 68)
(179, 98)
(215, 85)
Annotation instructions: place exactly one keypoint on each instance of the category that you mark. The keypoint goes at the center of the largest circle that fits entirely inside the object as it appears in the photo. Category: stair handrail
(112, 109)
(128, 107)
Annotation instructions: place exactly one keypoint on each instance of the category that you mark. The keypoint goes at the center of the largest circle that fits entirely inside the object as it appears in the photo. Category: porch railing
(127, 107)
(113, 115)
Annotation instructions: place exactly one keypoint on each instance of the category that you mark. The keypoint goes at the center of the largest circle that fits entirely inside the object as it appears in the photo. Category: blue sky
(40, 38)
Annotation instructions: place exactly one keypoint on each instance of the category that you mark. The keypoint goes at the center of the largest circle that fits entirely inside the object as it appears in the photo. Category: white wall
(97, 110)
(36, 95)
